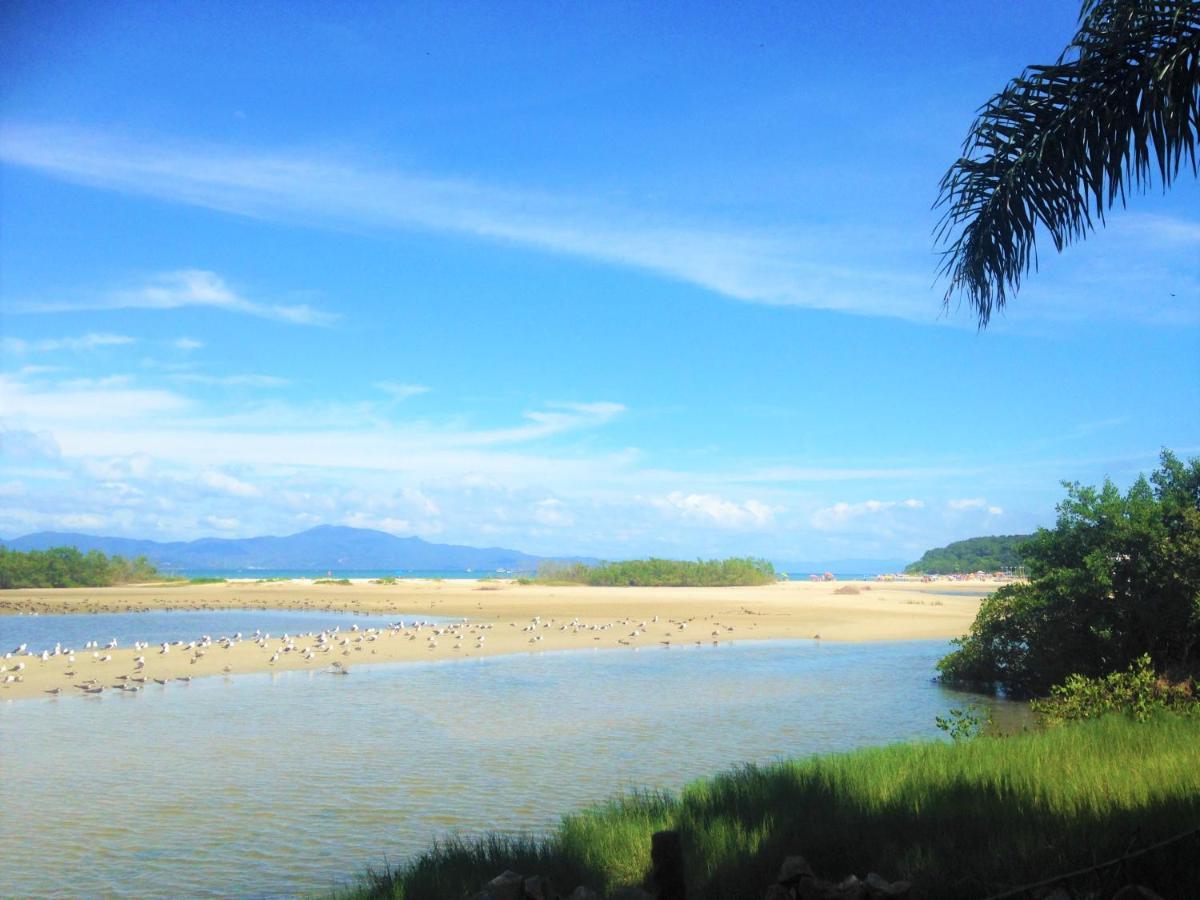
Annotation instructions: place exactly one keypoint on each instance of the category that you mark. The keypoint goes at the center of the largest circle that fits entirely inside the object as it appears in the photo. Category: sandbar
(571, 617)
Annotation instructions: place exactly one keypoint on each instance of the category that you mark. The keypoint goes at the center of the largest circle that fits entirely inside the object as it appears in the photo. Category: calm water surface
(42, 632)
(290, 783)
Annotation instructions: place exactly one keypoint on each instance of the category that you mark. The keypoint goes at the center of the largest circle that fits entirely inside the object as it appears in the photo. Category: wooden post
(666, 858)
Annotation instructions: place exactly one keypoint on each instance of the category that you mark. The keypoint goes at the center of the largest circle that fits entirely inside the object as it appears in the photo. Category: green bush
(1116, 578)
(61, 567)
(662, 573)
(1138, 692)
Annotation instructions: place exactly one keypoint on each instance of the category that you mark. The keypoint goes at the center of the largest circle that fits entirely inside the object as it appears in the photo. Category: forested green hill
(987, 554)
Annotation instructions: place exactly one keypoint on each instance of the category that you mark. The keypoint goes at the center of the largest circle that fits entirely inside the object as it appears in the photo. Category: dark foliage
(1116, 578)
(1062, 143)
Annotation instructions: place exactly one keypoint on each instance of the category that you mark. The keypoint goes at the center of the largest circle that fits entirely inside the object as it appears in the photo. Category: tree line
(654, 572)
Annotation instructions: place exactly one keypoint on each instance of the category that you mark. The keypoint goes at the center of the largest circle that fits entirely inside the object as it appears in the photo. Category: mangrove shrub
(1117, 577)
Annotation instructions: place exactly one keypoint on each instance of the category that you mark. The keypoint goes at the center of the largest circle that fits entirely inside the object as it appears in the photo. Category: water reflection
(291, 782)
(155, 626)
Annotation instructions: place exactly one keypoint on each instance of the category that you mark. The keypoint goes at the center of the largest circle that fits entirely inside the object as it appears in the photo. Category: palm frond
(1062, 143)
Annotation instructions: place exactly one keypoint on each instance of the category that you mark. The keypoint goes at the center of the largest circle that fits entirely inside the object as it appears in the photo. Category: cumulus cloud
(839, 515)
(222, 523)
(228, 484)
(714, 510)
(965, 503)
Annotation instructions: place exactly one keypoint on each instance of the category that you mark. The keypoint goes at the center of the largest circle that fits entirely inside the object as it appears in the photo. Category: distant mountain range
(326, 547)
(341, 548)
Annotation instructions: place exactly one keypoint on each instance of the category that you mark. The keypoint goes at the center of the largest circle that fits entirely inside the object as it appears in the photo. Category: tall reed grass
(958, 820)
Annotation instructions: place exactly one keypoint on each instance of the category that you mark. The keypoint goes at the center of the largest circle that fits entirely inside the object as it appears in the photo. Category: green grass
(332, 581)
(958, 820)
(207, 580)
(659, 573)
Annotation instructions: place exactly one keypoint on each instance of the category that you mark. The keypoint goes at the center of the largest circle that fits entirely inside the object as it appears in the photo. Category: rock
(779, 892)
(793, 869)
(583, 893)
(1136, 892)
(878, 886)
(851, 889)
(630, 893)
(538, 887)
(508, 885)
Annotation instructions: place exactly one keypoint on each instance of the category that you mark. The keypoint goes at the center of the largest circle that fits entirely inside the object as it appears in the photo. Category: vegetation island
(980, 554)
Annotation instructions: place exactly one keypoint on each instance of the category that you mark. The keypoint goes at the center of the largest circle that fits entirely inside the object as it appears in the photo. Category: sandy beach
(494, 617)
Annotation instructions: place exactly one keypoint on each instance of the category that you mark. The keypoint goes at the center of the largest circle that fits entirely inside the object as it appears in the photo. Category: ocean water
(290, 783)
(42, 632)
(272, 574)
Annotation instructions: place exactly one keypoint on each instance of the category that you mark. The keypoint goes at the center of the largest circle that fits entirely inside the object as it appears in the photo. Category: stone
(631, 893)
(779, 892)
(851, 889)
(1136, 892)
(879, 886)
(583, 893)
(793, 869)
(538, 887)
(508, 885)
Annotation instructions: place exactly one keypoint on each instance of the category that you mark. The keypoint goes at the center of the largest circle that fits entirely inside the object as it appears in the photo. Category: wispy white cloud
(83, 403)
(244, 380)
(175, 290)
(741, 263)
(187, 344)
(399, 390)
(89, 341)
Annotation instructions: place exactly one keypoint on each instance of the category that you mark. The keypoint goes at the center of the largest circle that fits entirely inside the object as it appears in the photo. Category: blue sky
(610, 279)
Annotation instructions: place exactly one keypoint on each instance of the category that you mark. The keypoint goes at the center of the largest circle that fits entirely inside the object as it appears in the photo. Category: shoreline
(503, 614)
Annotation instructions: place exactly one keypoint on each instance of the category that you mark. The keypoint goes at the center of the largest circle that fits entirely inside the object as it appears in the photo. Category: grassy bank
(958, 820)
(733, 572)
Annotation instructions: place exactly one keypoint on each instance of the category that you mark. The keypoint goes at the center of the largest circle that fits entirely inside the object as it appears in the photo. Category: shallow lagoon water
(290, 783)
(41, 632)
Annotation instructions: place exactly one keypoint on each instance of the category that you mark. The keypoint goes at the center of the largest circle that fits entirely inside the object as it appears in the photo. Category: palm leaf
(1062, 143)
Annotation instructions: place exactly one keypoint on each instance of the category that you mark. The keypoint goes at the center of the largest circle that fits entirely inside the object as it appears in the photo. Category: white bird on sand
(19, 650)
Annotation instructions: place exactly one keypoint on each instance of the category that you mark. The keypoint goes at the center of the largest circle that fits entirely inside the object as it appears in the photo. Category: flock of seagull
(311, 646)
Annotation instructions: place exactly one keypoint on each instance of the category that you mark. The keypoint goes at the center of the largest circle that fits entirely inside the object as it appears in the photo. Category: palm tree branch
(1062, 143)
